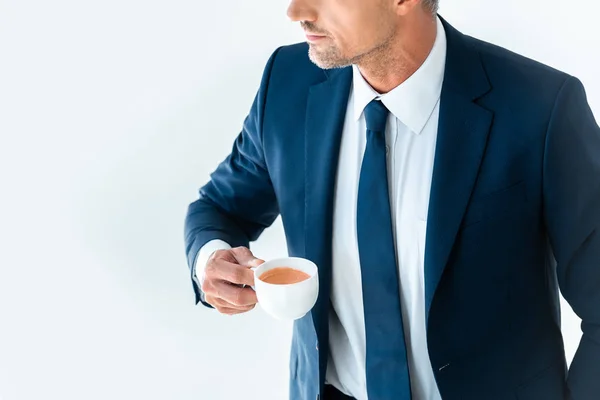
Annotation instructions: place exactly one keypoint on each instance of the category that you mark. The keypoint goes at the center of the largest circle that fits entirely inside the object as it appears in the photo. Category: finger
(223, 294)
(231, 311)
(217, 302)
(214, 290)
(238, 255)
(211, 300)
(244, 256)
(219, 269)
(238, 296)
(227, 308)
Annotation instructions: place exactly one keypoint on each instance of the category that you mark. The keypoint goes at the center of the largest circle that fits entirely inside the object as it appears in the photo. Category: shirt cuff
(203, 256)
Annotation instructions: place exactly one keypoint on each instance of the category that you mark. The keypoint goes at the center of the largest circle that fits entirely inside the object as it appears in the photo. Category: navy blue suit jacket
(514, 215)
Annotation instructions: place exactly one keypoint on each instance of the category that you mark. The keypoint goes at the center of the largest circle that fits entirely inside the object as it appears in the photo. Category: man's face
(343, 32)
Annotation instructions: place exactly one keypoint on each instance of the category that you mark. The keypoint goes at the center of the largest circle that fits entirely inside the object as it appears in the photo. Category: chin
(326, 61)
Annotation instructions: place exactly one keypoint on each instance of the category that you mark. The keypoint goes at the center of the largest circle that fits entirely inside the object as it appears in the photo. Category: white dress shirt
(411, 134)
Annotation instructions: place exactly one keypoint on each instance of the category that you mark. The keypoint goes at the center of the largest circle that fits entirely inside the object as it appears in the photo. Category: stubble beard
(331, 57)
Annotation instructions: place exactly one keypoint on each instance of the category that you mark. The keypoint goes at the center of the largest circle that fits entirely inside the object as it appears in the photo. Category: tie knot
(376, 116)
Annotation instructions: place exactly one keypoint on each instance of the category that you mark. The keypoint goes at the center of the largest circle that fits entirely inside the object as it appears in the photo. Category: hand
(227, 280)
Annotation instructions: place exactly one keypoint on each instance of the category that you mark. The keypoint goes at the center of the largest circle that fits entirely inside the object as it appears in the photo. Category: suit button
(317, 346)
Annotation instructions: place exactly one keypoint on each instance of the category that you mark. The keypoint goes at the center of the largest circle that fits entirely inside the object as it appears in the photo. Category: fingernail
(256, 262)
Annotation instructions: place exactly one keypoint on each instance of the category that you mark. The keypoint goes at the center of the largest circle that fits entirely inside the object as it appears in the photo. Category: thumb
(255, 262)
(244, 256)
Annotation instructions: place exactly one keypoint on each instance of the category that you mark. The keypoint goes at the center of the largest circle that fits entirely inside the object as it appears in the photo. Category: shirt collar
(413, 101)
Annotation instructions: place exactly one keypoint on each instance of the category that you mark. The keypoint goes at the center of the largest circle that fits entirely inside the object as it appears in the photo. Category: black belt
(331, 393)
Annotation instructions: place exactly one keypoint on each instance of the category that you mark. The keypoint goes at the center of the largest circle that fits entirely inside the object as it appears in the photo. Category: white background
(112, 115)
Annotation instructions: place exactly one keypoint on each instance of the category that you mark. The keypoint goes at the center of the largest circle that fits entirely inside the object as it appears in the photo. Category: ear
(405, 7)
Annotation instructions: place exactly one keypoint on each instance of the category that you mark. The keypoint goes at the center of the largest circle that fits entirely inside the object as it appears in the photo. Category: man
(445, 187)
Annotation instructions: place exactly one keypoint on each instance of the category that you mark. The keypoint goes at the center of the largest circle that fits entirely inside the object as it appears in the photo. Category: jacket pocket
(549, 384)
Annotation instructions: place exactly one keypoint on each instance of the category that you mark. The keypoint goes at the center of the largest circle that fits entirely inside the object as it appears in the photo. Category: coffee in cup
(283, 276)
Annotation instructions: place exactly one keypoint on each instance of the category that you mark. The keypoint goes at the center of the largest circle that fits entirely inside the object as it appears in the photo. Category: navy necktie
(386, 363)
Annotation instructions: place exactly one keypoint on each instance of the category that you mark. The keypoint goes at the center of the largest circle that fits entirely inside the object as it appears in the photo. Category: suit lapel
(462, 138)
(326, 109)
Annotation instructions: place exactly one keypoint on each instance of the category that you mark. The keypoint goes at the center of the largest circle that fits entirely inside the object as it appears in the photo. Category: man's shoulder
(514, 71)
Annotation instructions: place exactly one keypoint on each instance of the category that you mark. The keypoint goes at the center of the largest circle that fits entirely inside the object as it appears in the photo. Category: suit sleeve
(239, 201)
(572, 216)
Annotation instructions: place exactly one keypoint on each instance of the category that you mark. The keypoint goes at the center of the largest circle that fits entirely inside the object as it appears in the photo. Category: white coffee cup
(287, 301)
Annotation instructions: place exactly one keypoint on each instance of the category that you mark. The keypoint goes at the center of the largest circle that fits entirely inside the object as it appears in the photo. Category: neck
(394, 62)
